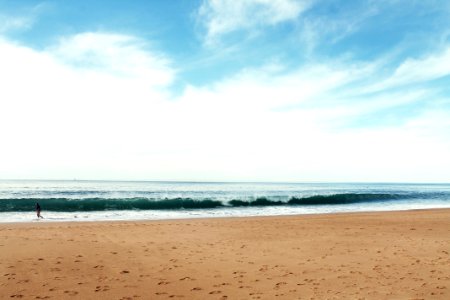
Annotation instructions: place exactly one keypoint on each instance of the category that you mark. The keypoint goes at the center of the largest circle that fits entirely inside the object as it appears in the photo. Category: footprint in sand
(264, 268)
(187, 278)
(225, 283)
(215, 292)
(24, 281)
(279, 284)
(100, 288)
(71, 293)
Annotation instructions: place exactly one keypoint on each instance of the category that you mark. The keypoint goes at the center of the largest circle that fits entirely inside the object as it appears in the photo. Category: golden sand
(387, 255)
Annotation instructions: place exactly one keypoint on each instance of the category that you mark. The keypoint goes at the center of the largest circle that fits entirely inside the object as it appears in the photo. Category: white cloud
(237, 129)
(57, 113)
(119, 55)
(268, 88)
(224, 16)
(96, 105)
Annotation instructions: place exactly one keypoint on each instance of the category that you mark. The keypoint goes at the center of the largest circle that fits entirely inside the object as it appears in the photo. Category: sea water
(125, 200)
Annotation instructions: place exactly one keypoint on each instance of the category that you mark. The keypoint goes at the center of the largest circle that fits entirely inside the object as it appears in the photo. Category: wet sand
(382, 255)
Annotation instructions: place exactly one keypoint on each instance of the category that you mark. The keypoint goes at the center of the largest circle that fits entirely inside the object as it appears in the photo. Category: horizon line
(230, 181)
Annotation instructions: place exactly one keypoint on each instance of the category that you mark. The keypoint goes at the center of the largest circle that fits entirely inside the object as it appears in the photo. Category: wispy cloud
(23, 21)
(417, 70)
(317, 29)
(222, 17)
(8, 23)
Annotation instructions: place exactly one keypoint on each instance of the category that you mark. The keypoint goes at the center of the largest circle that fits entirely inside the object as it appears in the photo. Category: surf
(144, 203)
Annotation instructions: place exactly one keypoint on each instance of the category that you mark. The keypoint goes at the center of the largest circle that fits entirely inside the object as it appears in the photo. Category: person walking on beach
(38, 211)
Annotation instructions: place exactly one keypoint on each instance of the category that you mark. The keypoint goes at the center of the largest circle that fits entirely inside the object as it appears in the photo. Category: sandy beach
(380, 255)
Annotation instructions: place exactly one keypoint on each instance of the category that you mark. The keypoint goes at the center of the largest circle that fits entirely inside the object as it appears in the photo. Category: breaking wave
(143, 203)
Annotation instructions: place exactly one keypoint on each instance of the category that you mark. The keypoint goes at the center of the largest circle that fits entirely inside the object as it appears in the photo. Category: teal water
(108, 200)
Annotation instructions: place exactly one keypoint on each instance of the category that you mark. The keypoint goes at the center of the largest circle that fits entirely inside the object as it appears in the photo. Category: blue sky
(254, 90)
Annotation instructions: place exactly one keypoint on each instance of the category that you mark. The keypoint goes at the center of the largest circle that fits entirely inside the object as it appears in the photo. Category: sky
(225, 90)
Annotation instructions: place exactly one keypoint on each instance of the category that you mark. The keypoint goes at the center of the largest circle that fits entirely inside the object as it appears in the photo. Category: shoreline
(78, 221)
(374, 255)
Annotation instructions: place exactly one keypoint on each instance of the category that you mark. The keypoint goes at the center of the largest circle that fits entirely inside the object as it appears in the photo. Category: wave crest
(102, 204)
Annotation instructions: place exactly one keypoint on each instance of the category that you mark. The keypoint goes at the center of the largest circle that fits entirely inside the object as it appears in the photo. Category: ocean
(143, 200)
